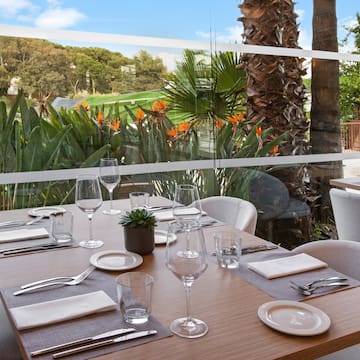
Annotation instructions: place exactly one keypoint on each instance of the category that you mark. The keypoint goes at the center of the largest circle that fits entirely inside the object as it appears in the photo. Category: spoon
(312, 283)
(308, 292)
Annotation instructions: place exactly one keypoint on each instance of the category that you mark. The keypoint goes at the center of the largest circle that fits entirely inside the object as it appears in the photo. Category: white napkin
(286, 266)
(23, 234)
(54, 311)
(168, 215)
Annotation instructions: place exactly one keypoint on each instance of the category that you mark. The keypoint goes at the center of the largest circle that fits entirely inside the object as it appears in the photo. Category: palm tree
(325, 134)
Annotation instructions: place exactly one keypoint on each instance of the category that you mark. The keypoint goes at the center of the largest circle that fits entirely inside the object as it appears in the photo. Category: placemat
(38, 338)
(45, 223)
(279, 288)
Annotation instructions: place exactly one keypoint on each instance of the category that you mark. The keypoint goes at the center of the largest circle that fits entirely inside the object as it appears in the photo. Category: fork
(314, 282)
(20, 222)
(75, 281)
(308, 292)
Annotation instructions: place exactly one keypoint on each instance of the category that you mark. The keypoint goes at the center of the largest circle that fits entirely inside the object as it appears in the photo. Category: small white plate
(294, 318)
(116, 260)
(161, 237)
(46, 211)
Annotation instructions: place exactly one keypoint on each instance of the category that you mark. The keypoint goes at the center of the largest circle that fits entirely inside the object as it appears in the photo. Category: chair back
(341, 255)
(346, 208)
(240, 213)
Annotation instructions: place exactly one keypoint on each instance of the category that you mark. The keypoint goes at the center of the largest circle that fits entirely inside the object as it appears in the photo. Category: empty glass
(88, 199)
(186, 205)
(187, 259)
(110, 178)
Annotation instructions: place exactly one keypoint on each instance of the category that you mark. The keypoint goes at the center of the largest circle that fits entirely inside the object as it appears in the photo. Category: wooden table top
(224, 301)
(351, 183)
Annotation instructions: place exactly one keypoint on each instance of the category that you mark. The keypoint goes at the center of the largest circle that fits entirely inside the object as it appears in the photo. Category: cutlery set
(309, 288)
(89, 343)
(13, 223)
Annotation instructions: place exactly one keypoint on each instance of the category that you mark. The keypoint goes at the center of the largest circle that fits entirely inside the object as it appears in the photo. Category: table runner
(37, 338)
(279, 288)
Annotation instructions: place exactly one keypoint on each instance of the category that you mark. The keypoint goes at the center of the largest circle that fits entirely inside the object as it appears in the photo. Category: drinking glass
(88, 199)
(186, 258)
(186, 205)
(110, 178)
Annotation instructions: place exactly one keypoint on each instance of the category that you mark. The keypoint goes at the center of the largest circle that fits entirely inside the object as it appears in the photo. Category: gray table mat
(50, 335)
(45, 223)
(279, 288)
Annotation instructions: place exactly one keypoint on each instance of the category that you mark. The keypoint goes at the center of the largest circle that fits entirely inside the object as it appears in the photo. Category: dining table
(226, 302)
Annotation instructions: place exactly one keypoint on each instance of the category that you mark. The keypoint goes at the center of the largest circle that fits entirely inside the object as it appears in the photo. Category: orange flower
(159, 106)
(184, 127)
(83, 105)
(236, 118)
(172, 132)
(219, 123)
(139, 115)
(258, 131)
(115, 125)
(274, 151)
(100, 118)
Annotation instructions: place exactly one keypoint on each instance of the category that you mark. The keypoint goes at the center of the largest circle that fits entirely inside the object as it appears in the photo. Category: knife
(89, 339)
(33, 248)
(253, 249)
(103, 343)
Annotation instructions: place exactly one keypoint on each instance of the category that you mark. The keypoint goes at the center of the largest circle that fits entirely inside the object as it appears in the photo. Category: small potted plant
(139, 227)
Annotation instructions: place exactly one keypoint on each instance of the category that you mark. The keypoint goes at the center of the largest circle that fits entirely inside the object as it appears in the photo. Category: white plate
(295, 318)
(46, 211)
(161, 236)
(116, 260)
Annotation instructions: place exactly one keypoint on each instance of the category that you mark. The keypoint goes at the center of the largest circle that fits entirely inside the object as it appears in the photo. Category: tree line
(43, 67)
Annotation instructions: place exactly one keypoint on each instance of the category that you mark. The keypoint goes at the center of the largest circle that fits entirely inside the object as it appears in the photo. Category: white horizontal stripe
(66, 174)
(103, 38)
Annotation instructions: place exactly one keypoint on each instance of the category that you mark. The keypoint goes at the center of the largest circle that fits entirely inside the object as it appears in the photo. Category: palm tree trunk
(325, 133)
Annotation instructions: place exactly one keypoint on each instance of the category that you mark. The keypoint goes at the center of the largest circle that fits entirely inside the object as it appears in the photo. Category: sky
(186, 19)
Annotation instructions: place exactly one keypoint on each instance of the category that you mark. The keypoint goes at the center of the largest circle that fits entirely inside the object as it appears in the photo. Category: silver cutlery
(253, 249)
(12, 223)
(318, 281)
(82, 341)
(310, 291)
(58, 278)
(31, 248)
(76, 281)
(157, 208)
(103, 343)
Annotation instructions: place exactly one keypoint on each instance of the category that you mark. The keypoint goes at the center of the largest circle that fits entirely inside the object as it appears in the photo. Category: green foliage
(138, 218)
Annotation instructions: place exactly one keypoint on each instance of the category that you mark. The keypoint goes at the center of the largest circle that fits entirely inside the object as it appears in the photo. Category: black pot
(139, 240)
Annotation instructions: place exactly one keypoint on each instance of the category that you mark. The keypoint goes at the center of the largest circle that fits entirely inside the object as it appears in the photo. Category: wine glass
(110, 178)
(186, 258)
(186, 203)
(88, 199)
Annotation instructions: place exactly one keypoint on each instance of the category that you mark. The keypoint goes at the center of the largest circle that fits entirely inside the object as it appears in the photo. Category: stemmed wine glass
(110, 178)
(186, 203)
(88, 199)
(186, 258)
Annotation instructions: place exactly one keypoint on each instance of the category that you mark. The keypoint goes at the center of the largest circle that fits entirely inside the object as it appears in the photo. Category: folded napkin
(168, 215)
(54, 311)
(286, 266)
(23, 234)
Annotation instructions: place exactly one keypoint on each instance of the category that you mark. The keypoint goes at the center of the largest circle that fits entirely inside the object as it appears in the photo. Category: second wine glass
(88, 199)
(110, 178)
(187, 259)
(186, 205)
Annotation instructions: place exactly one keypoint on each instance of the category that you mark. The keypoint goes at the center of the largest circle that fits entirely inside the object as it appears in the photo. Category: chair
(237, 212)
(346, 208)
(341, 255)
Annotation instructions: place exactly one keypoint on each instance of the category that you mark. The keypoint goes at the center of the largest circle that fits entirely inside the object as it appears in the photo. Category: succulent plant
(138, 218)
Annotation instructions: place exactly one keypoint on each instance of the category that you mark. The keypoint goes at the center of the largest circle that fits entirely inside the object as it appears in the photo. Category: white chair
(240, 213)
(346, 208)
(341, 255)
